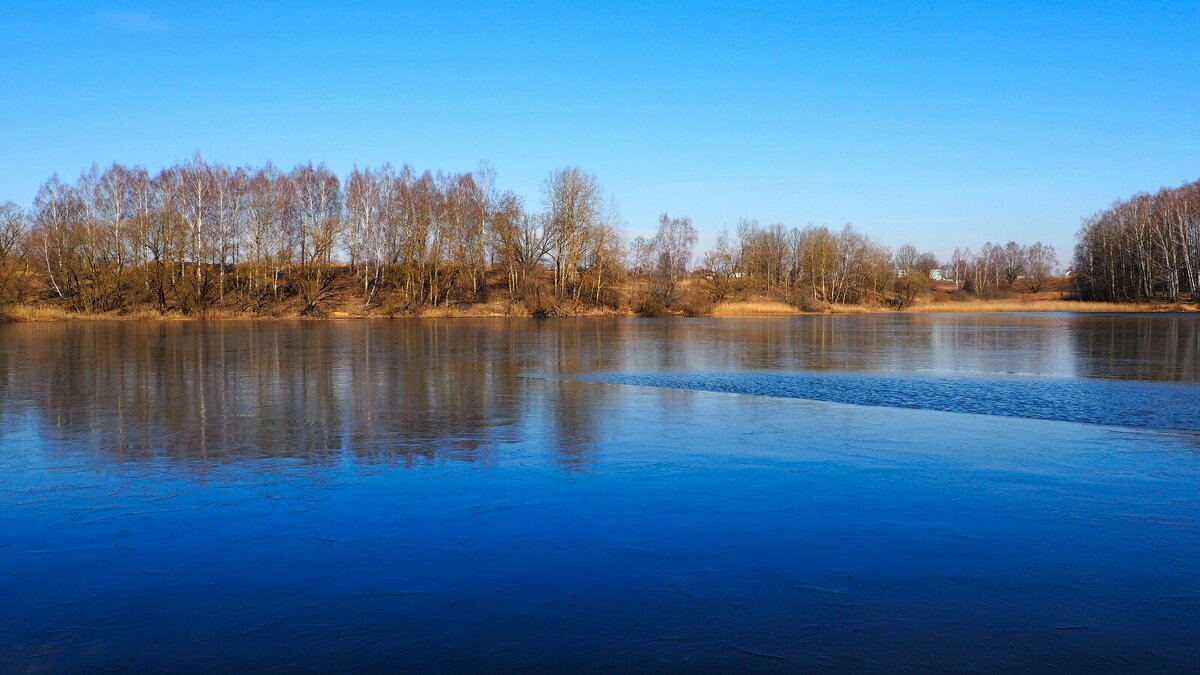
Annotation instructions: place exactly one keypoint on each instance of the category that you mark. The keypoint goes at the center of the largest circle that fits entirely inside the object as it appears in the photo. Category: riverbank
(775, 308)
(505, 309)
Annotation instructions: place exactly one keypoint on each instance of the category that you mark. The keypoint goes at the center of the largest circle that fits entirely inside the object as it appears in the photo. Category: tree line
(816, 265)
(198, 235)
(1002, 266)
(1141, 248)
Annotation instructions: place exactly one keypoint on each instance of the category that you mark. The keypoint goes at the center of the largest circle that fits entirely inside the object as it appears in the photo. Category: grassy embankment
(345, 305)
(1055, 297)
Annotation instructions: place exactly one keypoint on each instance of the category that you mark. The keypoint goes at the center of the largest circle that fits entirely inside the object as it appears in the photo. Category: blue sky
(935, 124)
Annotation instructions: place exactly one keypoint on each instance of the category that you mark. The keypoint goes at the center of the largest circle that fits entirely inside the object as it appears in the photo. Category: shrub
(995, 293)
(697, 304)
(396, 303)
(650, 305)
(906, 289)
(806, 301)
(537, 301)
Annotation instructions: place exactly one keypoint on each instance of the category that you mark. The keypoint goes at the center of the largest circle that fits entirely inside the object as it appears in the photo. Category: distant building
(936, 274)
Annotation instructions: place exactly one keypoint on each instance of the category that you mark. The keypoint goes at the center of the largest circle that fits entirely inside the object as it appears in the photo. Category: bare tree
(1011, 260)
(364, 212)
(318, 227)
(521, 241)
(1040, 261)
(906, 257)
(58, 211)
(672, 250)
(12, 247)
(573, 203)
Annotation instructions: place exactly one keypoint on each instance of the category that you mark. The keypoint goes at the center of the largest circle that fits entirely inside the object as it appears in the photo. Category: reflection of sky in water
(418, 495)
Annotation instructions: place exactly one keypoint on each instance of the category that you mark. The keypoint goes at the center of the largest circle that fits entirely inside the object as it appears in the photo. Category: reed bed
(1042, 306)
(755, 308)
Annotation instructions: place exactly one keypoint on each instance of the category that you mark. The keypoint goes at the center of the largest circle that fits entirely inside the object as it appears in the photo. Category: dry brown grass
(757, 307)
(494, 309)
(215, 314)
(1034, 305)
(754, 308)
(1019, 304)
(57, 313)
(38, 313)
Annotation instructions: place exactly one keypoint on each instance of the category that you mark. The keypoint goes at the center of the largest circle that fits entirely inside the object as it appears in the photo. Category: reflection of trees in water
(415, 391)
(576, 417)
(1160, 347)
(854, 343)
(306, 390)
(996, 343)
(430, 389)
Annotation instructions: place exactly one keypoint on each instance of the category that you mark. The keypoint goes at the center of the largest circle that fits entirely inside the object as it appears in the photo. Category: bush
(538, 301)
(906, 289)
(650, 305)
(610, 297)
(394, 302)
(806, 301)
(697, 304)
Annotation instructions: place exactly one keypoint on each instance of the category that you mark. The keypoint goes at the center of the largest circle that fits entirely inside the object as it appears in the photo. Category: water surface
(932, 493)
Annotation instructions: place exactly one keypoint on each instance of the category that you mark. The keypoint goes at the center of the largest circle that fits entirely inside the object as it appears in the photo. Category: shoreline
(725, 310)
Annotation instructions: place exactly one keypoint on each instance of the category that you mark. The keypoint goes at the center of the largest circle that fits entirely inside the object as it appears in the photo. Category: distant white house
(936, 274)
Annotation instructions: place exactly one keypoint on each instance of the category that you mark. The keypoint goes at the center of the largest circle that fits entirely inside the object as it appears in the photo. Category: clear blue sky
(936, 124)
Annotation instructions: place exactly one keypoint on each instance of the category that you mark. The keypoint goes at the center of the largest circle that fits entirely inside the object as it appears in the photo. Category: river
(980, 492)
